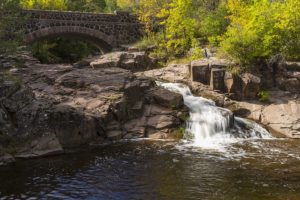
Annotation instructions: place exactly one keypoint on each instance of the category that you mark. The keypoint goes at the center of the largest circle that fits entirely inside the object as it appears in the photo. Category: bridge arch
(101, 40)
(104, 30)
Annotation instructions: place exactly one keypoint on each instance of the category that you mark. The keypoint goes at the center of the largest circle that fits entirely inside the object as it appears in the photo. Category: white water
(212, 126)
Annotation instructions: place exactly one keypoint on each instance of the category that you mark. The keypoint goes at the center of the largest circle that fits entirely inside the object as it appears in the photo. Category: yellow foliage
(44, 4)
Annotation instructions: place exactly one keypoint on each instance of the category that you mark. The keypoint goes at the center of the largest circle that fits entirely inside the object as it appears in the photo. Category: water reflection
(254, 169)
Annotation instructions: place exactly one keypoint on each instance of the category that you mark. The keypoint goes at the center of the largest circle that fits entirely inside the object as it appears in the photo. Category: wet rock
(161, 121)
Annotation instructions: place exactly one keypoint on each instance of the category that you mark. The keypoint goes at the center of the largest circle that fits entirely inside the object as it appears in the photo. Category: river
(222, 157)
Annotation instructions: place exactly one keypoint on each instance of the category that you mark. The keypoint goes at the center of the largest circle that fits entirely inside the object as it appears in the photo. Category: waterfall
(210, 126)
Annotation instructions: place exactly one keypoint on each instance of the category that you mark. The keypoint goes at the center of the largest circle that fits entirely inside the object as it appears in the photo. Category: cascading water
(212, 126)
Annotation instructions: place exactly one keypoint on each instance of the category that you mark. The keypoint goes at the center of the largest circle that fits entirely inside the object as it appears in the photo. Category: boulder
(108, 60)
(289, 84)
(292, 66)
(250, 86)
(166, 98)
(244, 86)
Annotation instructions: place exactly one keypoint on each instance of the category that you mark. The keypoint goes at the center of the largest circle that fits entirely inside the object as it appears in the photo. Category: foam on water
(211, 126)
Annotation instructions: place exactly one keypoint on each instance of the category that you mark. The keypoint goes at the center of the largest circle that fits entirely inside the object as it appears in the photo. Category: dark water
(254, 170)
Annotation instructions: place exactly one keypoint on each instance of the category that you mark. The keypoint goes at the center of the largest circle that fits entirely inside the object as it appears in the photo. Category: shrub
(263, 96)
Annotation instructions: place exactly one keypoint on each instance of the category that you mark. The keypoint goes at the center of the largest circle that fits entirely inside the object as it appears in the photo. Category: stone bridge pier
(106, 31)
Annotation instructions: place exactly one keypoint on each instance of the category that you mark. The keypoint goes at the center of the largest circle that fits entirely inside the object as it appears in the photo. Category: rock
(167, 99)
(178, 73)
(292, 66)
(200, 71)
(217, 79)
(244, 86)
(161, 121)
(229, 82)
(108, 60)
(6, 159)
(250, 86)
(55, 108)
(218, 63)
(283, 119)
(133, 61)
(157, 135)
(281, 116)
(289, 84)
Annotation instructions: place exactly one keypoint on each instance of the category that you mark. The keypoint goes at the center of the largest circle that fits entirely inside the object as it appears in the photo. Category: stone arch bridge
(106, 31)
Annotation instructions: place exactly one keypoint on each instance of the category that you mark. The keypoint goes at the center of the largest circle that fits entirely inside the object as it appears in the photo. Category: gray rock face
(54, 108)
(133, 61)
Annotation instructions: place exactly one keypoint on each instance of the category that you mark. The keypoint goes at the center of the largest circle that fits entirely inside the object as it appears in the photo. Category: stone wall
(106, 30)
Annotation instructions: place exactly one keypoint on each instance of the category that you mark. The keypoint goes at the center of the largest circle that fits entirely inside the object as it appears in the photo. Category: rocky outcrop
(242, 87)
(133, 61)
(281, 115)
(288, 77)
(180, 73)
(278, 72)
(49, 109)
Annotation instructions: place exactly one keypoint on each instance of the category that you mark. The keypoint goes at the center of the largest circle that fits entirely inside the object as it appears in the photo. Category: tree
(11, 23)
(179, 25)
(86, 5)
(126, 5)
(44, 4)
(260, 29)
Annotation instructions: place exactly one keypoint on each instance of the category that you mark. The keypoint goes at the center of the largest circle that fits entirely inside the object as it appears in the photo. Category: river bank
(53, 109)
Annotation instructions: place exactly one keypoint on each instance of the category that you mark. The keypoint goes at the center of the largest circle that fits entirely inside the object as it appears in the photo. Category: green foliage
(61, 50)
(179, 26)
(145, 42)
(11, 33)
(180, 133)
(214, 23)
(44, 4)
(263, 96)
(126, 5)
(261, 29)
(86, 5)
(80, 5)
(111, 5)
